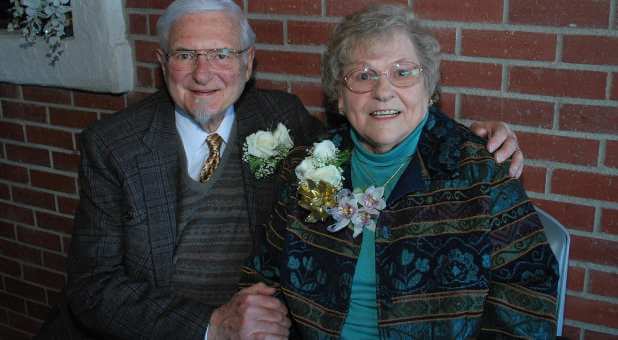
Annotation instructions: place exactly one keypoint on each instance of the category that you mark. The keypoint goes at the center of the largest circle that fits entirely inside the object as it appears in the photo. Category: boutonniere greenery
(263, 150)
(320, 182)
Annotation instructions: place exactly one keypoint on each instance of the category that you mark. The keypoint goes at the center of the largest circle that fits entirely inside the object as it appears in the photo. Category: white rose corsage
(320, 181)
(263, 150)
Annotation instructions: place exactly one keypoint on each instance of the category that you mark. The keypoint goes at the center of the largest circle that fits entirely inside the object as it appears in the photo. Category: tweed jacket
(460, 252)
(121, 259)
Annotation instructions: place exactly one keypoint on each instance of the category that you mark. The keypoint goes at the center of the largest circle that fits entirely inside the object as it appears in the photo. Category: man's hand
(502, 139)
(252, 313)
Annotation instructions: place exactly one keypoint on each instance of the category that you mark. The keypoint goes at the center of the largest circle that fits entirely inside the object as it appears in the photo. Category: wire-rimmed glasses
(217, 58)
(364, 79)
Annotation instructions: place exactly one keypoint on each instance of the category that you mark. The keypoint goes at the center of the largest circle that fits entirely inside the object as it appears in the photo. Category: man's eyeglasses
(218, 58)
(364, 79)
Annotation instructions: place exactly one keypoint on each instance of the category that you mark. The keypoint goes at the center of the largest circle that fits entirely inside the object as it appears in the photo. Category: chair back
(559, 241)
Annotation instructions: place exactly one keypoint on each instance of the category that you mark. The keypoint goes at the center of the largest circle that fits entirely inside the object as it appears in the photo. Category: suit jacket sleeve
(111, 289)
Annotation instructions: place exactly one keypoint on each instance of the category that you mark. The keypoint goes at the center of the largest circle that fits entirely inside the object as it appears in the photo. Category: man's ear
(162, 58)
(250, 56)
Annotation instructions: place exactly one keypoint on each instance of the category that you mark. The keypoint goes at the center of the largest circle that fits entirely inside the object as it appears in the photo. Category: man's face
(203, 91)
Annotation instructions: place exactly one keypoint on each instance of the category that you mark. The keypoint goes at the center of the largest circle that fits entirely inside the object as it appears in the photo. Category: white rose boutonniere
(263, 150)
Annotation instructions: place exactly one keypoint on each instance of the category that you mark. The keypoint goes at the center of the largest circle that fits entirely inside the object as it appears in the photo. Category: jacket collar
(437, 157)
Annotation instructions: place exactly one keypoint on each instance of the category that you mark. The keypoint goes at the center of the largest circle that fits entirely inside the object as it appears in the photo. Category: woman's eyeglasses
(364, 79)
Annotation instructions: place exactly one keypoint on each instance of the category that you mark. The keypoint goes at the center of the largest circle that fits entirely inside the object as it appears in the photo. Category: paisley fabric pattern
(460, 252)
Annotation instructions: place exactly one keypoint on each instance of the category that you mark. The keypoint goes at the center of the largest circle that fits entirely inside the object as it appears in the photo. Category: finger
(258, 288)
(265, 330)
(479, 129)
(507, 148)
(497, 138)
(265, 336)
(246, 301)
(265, 314)
(517, 164)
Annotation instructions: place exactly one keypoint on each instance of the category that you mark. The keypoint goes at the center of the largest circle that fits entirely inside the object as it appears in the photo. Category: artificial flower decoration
(48, 19)
(263, 150)
(358, 210)
(319, 178)
(320, 181)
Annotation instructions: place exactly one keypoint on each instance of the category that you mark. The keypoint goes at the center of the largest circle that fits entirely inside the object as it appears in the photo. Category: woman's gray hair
(180, 8)
(370, 26)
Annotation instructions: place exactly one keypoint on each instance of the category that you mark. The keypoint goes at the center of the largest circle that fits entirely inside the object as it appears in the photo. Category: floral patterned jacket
(460, 252)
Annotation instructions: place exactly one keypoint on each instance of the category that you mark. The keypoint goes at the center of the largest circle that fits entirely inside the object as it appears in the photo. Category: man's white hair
(181, 8)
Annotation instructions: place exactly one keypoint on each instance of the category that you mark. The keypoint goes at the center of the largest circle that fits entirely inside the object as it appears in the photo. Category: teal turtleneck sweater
(378, 170)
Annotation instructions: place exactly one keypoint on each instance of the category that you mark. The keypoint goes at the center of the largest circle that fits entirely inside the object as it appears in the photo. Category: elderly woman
(404, 226)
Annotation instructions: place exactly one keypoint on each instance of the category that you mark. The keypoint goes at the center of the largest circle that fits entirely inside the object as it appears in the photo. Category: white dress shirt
(193, 138)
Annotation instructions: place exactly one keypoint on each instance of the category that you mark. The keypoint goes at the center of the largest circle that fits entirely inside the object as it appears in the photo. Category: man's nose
(202, 69)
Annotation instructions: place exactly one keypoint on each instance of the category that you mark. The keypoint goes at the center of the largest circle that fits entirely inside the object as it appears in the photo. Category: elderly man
(167, 204)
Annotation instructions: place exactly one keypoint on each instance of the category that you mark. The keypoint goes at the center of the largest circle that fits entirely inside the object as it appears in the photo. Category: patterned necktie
(214, 144)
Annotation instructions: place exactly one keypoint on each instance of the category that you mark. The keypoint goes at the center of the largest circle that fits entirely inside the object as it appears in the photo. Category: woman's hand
(503, 142)
(252, 313)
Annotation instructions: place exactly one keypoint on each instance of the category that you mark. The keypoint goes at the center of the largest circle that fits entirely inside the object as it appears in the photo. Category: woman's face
(386, 115)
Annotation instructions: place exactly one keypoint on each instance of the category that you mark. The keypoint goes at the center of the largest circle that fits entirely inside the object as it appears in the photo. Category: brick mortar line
(519, 28)
(595, 266)
(613, 17)
(47, 191)
(594, 297)
(142, 89)
(596, 223)
(38, 266)
(594, 235)
(46, 125)
(141, 10)
(602, 152)
(35, 208)
(506, 79)
(40, 168)
(37, 229)
(148, 38)
(316, 49)
(553, 165)
(37, 146)
(287, 77)
(611, 82)
(548, 180)
(556, 116)
(505, 11)
(43, 190)
(589, 202)
(34, 284)
(557, 133)
(590, 327)
(292, 17)
(314, 109)
(559, 48)
(528, 96)
(450, 24)
(532, 63)
(72, 107)
(152, 66)
(141, 37)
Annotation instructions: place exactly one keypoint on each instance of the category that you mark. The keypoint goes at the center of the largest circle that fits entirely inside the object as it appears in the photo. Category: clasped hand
(252, 313)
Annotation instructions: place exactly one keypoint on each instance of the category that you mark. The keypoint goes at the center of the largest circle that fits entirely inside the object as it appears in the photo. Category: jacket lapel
(249, 120)
(158, 168)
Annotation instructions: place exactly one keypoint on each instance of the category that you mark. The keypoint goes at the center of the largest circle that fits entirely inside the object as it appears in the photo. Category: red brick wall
(548, 67)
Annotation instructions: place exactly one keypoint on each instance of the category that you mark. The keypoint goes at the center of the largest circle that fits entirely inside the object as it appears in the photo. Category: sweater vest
(213, 230)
